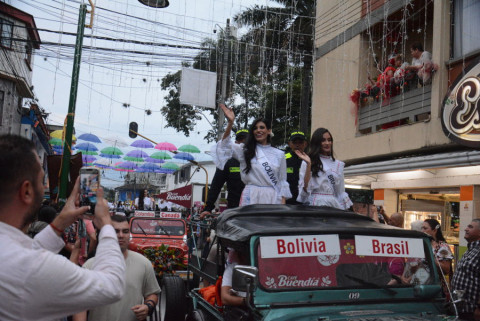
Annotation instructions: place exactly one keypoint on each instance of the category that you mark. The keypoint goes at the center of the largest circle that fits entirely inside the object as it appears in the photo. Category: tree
(282, 30)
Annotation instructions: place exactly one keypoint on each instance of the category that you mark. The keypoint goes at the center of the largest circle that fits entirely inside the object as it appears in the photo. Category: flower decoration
(348, 248)
(164, 259)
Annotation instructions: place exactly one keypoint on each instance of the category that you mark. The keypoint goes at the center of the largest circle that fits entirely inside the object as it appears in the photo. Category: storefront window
(465, 27)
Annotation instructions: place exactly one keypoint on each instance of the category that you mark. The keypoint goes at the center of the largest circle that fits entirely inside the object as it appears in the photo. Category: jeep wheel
(197, 315)
(173, 300)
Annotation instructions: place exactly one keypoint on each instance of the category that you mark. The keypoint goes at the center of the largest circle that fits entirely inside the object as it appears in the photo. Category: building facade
(18, 40)
(397, 141)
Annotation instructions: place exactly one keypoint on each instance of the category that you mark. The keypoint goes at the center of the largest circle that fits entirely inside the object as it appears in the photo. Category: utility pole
(65, 165)
(223, 97)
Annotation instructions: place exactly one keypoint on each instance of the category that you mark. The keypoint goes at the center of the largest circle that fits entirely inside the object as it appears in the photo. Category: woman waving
(262, 167)
(321, 181)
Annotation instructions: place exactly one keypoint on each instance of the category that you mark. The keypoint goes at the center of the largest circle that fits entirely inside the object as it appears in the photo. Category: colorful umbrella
(103, 163)
(115, 141)
(111, 151)
(183, 156)
(127, 165)
(86, 147)
(161, 155)
(142, 143)
(133, 159)
(110, 156)
(171, 166)
(59, 134)
(89, 138)
(189, 149)
(154, 160)
(55, 142)
(166, 146)
(137, 153)
(148, 168)
(88, 159)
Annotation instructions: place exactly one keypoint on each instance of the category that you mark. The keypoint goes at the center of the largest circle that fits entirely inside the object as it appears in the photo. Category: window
(6, 33)
(28, 54)
(466, 24)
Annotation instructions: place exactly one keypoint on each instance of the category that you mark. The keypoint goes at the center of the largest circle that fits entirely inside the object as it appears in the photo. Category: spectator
(422, 64)
(141, 297)
(416, 225)
(396, 219)
(297, 141)
(35, 283)
(467, 274)
(230, 174)
(46, 214)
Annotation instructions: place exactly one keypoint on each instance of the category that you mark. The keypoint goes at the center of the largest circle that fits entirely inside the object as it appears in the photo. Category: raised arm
(308, 173)
(230, 115)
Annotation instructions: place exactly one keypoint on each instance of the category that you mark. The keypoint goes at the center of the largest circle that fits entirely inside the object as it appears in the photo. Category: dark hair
(18, 163)
(141, 196)
(316, 150)
(47, 214)
(119, 218)
(435, 225)
(241, 136)
(417, 46)
(251, 144)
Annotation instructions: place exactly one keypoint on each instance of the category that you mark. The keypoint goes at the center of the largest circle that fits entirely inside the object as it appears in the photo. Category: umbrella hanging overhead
(86, 147)
(88, 159)
(171, 166)
(154, 160)
(59, 134)
(148, 168)
(189, 149)
(137, 153)
(161, 155)
(111, 151)
(115, 141)
(142, 143)
(89, 138)
(127, 165)
(103, 163)
(166, 146)
(184, 156)
(133, 159)
(110, 156)
(55, 142)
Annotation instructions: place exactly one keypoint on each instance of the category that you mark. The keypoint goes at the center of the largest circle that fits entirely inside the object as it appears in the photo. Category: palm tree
(278, 32)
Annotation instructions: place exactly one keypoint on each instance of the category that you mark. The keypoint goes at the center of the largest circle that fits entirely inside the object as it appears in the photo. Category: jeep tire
(173, 303)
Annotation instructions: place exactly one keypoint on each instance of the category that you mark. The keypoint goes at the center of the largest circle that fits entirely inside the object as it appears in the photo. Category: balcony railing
(409, 107)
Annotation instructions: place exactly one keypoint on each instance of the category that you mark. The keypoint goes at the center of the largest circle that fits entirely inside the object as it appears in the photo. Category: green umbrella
(55, 142)
(111, 151)
(88, 152)
(161, 155)
(170, 166)
(189, 149)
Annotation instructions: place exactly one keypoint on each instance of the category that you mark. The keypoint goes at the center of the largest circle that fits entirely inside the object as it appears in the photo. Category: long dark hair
(141, 196)
(316, 150)
(435, 225)
(251, 144)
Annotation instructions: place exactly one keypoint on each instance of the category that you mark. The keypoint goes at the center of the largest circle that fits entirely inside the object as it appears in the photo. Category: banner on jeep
(144, 214)
(177, 215)
(389, 246)
(181, 196)
(301, 245)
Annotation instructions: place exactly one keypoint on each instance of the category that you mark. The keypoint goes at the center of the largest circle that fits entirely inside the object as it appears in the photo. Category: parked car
(320, 263)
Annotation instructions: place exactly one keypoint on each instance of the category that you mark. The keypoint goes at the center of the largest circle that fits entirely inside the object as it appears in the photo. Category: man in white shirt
(35, 282)
(421, 63)
(141, 297)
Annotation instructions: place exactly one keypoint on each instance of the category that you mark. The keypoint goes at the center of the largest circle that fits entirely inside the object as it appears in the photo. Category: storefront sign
(297, 246)
(389, 246)
(144, 214)
(461, 108)
(170, 215)
(181, 196)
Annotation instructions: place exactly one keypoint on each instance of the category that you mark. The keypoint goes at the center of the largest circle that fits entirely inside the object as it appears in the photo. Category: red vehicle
(150, 233)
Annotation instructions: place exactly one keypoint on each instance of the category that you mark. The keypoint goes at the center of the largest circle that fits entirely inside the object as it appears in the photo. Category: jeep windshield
(150, 226)
(342, 261)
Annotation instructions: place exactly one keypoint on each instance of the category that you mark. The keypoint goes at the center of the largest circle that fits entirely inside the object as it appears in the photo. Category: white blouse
(328, 189)
(225, 150)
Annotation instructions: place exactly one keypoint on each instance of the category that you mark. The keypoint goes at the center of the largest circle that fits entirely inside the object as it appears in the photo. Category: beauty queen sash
(268, 170)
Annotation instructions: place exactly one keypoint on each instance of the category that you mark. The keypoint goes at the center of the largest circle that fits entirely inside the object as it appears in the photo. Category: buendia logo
(461, 108)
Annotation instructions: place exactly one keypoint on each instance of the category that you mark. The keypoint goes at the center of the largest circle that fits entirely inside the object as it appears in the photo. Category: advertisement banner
(181, 196)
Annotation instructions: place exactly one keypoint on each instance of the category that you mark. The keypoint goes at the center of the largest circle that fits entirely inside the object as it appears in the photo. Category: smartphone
(89, 185)
(72, 233)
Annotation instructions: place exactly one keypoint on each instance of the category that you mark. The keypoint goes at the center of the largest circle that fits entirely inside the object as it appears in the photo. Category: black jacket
(293, 170)
(231, 175)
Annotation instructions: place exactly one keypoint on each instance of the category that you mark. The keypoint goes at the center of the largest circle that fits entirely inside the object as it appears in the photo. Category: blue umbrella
(154, 160)
(149, 167)
(137, 153)
(184, 156)
(90, 138)
(110, 156)
(87, 146)
(142, 143)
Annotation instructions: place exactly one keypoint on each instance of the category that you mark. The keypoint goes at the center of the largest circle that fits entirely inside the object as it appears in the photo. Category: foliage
(165, 259)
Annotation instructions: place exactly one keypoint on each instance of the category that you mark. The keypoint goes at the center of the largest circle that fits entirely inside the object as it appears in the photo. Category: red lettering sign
(181, 196)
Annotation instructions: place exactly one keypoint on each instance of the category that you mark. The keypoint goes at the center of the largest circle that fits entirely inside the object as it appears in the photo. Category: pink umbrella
(166, 146)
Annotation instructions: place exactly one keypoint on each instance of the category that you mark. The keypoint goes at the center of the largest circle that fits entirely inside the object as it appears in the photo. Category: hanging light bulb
(155, 3)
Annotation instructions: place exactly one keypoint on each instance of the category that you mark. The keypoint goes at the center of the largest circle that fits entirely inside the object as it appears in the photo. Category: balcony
(409, 107)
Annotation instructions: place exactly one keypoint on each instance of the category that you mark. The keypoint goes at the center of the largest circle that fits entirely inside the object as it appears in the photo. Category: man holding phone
(35, 282)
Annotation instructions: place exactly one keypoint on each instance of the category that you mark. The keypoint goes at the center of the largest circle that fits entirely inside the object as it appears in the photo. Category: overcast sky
(122, 69)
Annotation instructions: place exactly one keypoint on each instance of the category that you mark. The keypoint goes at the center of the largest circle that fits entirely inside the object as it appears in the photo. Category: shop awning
(445, 160)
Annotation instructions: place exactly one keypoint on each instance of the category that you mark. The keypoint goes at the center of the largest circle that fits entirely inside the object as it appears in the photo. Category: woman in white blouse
(262, 167)
(321, 181)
